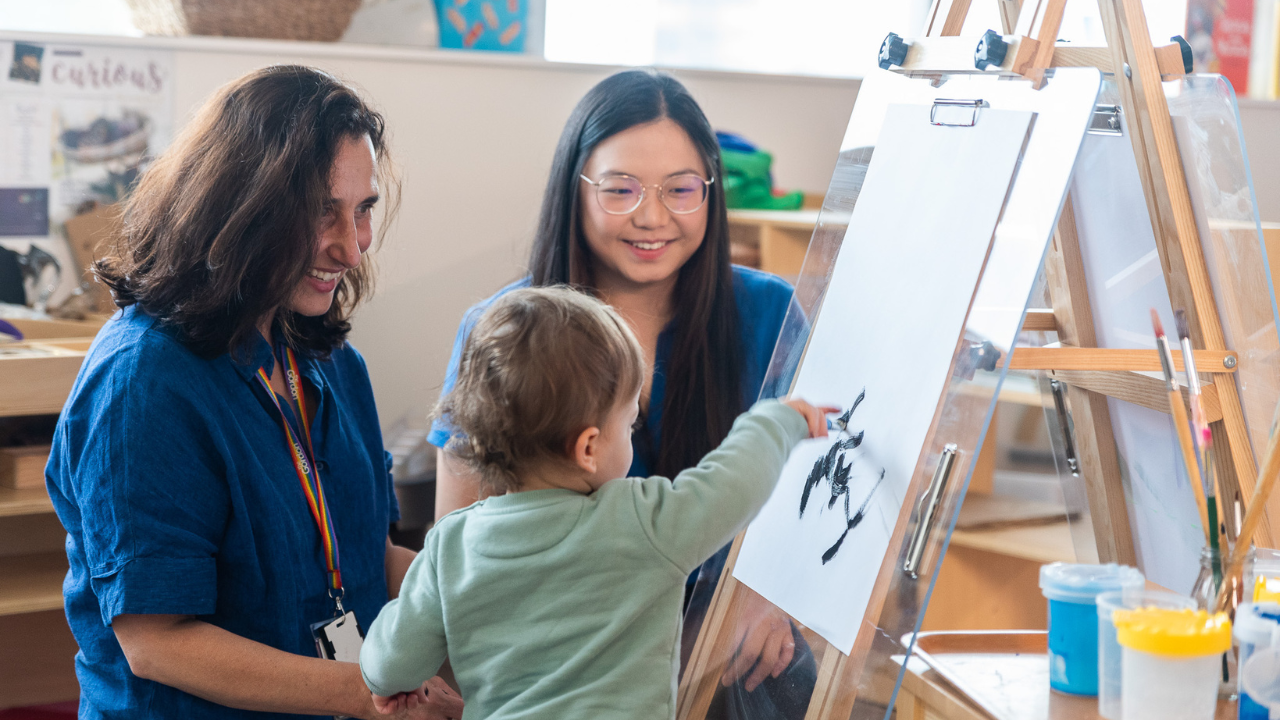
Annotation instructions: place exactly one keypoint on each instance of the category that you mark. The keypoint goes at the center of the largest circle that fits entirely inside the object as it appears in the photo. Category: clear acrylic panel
(1206, 121)
(864, 684)
(1125, 280)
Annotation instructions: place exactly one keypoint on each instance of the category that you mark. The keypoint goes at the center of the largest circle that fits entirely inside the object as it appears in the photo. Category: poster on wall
(1219, 32)
(78, 124)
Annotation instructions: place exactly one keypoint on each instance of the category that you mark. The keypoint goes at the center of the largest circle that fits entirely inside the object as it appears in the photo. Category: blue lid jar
(1081, 584)
(1072, 591)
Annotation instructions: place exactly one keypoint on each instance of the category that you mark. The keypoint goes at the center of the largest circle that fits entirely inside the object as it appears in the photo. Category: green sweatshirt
(554, 604)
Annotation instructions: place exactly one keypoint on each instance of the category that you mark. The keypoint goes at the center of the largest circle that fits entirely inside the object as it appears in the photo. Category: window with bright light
(98, 17)
(838, 38)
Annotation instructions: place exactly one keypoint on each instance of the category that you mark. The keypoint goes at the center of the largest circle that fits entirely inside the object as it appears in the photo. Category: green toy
(748, 184)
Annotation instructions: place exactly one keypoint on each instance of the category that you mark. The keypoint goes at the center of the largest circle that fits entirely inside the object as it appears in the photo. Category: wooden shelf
(1040, 543)
(30, 501)
(772, 240)
(36, 377)
(32, 583)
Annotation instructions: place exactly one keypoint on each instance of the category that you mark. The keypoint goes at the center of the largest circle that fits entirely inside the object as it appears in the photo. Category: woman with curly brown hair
(219, 466)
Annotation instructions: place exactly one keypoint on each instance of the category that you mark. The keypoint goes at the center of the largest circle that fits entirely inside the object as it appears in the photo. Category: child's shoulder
(628, 494)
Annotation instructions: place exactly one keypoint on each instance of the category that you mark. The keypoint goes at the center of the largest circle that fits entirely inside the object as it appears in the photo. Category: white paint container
(1110, 654)
(1172, 662)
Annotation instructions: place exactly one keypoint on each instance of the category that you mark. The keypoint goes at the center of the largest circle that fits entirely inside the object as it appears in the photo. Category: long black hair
(703, 375)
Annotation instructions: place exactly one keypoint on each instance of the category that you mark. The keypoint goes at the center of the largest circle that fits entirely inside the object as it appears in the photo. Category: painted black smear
(833, 468)
(854, 521)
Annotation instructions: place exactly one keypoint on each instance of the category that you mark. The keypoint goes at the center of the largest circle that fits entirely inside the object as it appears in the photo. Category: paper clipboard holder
(955, 113)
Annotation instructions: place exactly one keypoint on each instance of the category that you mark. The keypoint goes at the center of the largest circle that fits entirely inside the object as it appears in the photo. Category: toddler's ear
(586, 450)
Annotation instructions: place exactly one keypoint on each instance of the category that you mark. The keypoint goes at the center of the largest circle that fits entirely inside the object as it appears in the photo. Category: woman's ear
(586, 449)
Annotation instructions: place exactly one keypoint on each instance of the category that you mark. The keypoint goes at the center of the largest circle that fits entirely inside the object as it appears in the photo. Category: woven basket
(279, 19)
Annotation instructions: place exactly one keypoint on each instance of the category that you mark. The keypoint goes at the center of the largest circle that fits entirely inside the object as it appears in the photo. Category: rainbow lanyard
(304, 466)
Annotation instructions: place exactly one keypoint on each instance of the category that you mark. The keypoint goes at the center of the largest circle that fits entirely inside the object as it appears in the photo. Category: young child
(561, 597)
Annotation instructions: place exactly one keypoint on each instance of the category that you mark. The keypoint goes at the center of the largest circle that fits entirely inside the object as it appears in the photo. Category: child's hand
(388, 705)
(815, 417)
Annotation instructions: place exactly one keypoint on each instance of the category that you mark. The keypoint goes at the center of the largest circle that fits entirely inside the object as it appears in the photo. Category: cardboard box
(87, 234)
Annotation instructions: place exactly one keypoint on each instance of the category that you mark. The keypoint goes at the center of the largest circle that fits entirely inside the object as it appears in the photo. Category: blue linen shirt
(762, 299)
(171, 475)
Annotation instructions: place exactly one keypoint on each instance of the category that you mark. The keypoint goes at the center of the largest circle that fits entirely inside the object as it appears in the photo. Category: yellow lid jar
(1172, 662)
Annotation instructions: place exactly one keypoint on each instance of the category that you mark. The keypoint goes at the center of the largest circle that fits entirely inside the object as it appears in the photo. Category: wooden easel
(1092, 374)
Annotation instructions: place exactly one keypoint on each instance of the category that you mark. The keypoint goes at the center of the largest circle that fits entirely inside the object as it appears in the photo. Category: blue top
(171, 475)
(762, 300)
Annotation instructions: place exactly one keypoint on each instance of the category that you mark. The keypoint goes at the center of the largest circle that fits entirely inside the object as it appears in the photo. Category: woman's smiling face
(650, 244)
(346, 232)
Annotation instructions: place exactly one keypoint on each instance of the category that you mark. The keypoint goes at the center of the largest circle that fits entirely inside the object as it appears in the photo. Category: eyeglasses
(622, 194)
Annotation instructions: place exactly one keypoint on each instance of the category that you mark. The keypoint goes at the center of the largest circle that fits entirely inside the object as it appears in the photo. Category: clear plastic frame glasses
(622, 194)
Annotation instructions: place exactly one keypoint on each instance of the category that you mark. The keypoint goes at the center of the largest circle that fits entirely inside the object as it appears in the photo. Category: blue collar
(258, 353)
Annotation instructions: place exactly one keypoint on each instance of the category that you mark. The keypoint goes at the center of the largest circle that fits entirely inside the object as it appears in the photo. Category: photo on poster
(26, 65)
(881, 349)
(24, 212)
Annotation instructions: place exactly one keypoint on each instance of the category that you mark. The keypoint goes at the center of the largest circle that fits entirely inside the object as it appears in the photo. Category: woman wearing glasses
(634, 212)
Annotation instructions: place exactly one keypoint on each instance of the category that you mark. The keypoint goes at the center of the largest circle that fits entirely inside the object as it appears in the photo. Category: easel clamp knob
(893, 51)
(991, 50)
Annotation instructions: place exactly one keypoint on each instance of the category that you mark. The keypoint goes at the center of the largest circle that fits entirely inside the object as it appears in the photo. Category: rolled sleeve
(146, 585)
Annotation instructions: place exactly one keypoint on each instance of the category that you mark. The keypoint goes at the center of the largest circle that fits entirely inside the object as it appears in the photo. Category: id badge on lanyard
(338, 637)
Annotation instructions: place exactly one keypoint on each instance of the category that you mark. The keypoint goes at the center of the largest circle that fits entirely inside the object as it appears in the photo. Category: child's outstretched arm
(406, 644)
(693, 515)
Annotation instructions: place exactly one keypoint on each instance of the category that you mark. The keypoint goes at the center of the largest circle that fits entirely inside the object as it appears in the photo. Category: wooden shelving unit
(38, 665)
(33, 583)
(16, 503)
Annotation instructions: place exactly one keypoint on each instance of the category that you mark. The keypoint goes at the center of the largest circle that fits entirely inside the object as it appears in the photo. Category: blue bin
(500, 25)
(1072, 591)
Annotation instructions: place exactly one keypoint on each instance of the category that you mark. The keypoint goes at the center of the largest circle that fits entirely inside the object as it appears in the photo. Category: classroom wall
(1260, 121)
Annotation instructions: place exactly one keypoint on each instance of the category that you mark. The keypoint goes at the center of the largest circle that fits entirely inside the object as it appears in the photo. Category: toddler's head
(541, 366)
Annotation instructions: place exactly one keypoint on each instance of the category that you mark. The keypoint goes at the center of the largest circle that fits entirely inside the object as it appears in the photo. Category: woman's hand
(387, 704)
(435, 700)
(764, 640)
(442, 703)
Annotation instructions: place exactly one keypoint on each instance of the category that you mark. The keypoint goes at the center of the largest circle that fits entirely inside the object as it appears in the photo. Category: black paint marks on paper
(834, 468)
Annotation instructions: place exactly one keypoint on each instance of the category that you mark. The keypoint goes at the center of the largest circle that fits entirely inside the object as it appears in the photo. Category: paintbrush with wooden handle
(1204, 442)
(1181, 425)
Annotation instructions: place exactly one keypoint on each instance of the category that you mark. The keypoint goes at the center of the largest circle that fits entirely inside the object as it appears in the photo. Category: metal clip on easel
(927, 510)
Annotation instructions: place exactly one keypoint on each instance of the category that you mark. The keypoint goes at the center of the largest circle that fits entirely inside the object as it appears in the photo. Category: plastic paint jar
(1072, 590)
(1257, 628)
(1172, 662)
(1109, 654)
(1260, 680)
(1262, 575)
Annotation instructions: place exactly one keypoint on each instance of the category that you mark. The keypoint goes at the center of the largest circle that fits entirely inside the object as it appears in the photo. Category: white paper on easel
(887, 330)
